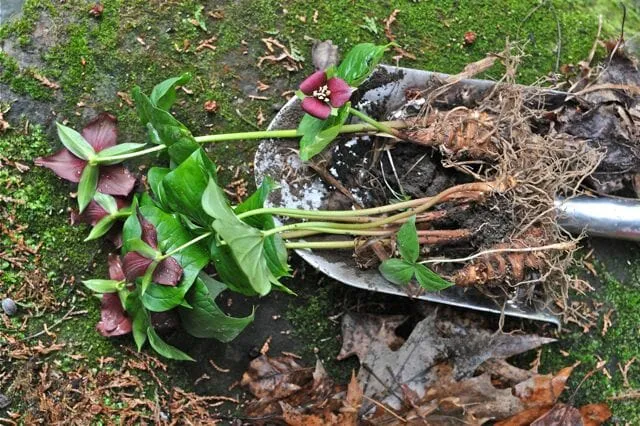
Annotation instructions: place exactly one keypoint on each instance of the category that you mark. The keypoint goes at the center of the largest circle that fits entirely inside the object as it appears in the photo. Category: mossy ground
(96, 60)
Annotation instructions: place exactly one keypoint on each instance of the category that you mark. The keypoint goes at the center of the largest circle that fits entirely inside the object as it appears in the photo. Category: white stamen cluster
(322, 94)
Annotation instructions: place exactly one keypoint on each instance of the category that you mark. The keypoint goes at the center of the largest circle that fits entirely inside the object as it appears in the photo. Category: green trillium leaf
(120, 149)
(429, 280)
(397, 271)
(163, 94)
(136, 244)
(87, 186)
(147, 277)
(140, 318)
(215, 204)
(171, 235)
(154, 178)
(103, 286)
(101, 227)
(407, 239)
(228, 269)
(247, 246)
(164, 128)
(184, 188)
(74, 142)
(360, 62)
(165, 349)
(205, 319)
(107, 202)
(318, 134)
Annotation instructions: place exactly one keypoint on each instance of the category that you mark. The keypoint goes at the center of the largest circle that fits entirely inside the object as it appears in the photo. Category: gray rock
(9, 306)
(324, 54)
(4, 401)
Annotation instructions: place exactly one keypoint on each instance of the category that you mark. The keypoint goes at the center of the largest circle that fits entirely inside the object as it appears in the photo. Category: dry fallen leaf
(464, 344)
(359, 330)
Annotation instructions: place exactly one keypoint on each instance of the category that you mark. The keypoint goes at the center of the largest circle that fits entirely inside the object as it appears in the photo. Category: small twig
(557, 246)
(46, 328)
(328, 178)
(218, 368)
(385, 408)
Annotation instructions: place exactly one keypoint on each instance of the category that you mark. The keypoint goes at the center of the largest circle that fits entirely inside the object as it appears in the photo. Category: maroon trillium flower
(101, 133)
(135, 264)
(322, 94)
(94, 212)
(114, 321)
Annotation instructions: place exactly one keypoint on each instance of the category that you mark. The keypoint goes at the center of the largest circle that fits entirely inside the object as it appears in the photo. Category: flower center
(322, 93)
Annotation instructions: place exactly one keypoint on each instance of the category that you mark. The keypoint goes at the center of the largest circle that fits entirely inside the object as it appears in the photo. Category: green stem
(319, 245)
(187, 244)
(378, 125)
(123, 157)
(331, 214)
(370, 125)
(294, 133)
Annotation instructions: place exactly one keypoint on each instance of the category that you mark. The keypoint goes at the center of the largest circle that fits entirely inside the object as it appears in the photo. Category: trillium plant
(174, 236)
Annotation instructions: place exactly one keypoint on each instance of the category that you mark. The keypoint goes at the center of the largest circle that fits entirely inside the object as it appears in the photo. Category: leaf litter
(448, 371)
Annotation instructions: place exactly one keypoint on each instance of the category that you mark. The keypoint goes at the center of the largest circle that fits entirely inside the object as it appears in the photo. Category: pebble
(4, 401)
(9, 306)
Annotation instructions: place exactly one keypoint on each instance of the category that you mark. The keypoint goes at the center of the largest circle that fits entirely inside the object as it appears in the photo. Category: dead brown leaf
(560, 415)
(45, 81)
(595, 414)
(360, 330)
(4, 125)
(463, 343)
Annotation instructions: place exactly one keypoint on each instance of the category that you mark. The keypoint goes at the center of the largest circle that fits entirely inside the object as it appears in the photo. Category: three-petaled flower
(101, 133)
(114, 321)
(167, 270)
(322, 94)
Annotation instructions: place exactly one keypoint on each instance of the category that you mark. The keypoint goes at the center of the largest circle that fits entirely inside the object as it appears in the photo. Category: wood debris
(278, 53)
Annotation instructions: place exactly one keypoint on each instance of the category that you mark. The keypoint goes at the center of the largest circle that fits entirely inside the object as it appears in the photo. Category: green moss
(618, 346)
(22, 81)
(24, 26)
(318, 335)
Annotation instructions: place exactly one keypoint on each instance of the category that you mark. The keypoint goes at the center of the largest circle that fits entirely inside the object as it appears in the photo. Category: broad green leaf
(407, 239)
(359, 62)
(247, 247)
(131, 230)
(165, 349)
(171, 235)
(205, 319)
(317, 134)
(140, 318)
(215, 204)
(107, 202)
(74, 142)
(274, 248)
(275, 253)
(228, 269)
(164, 128)
(429, 280)
(154, 178)
(102, 227)
(397, 271)
(103, 286)
(184, 187)
(256, 201)
(163, 94)
(87, 186)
